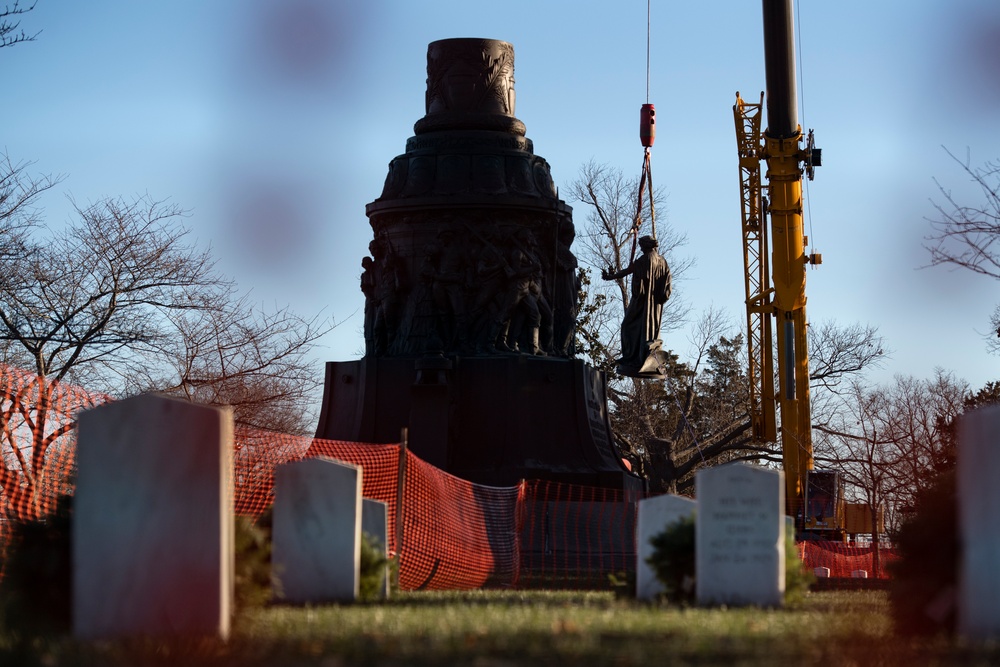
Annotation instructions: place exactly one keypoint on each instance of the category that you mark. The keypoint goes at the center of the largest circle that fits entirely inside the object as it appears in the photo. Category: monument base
(490, 420)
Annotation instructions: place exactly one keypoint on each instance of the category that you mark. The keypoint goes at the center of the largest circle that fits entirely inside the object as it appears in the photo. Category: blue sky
(255, 111)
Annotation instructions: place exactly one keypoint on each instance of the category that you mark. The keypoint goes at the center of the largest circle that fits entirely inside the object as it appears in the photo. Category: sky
(272, 123)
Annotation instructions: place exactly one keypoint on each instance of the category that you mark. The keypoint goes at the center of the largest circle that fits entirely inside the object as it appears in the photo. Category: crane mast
(756, 272)
(779, 297)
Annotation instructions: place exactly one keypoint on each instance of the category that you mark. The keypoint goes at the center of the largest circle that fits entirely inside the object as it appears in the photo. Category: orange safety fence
(845, 560)
(575, 536)
(455, 534)
(37, 440)
(255, 456)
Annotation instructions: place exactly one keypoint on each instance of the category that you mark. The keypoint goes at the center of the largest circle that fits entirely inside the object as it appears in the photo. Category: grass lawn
(513, 628)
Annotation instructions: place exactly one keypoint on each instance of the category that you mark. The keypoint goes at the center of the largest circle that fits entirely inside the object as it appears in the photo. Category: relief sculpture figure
(523, 300)
(491, 274)
(387, 288)
(368, 286)
(567, 290)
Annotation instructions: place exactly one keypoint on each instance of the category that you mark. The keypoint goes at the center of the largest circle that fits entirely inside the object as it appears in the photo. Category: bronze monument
(471, 297)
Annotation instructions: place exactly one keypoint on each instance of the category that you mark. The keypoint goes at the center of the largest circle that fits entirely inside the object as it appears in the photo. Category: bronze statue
(651, 286)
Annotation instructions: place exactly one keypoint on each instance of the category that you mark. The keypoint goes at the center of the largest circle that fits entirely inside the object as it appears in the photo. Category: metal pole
(400, 484)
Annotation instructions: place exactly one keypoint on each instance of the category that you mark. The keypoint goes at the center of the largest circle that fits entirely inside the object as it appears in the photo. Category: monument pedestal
(470, 262)
(490, 420)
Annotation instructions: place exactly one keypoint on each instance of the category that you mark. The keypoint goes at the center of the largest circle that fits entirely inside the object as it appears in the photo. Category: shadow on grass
(514, 628)
(501, 597)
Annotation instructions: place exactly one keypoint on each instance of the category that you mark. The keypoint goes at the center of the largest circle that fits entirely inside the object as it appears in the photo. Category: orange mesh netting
(843, 559)
(38, 421)
(455, 534)
(575, 536)
(256, 454)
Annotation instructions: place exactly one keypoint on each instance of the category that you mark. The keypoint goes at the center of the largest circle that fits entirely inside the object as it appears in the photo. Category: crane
(775, 261)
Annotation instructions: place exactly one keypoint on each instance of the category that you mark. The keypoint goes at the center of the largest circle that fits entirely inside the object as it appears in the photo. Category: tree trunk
(876, 551)
(663, 468)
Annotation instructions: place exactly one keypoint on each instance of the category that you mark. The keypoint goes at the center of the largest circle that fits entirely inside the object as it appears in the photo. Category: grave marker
(375, 522)
(979, 523)
(316, 543)
(655, 515)
(740, 536)
(153, 520)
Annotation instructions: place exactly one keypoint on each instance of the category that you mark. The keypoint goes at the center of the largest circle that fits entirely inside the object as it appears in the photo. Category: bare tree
(713, 423)
(85, 304)
(10, 24)
(699, 414)
(837, 351)
(704, 417)
(922, 412)
(19, 213)
(860, 446)
(236, 353)
(969, 236)
(840, 354)
(884, 439)
(120, 302)
(606, 241)
(91, 298)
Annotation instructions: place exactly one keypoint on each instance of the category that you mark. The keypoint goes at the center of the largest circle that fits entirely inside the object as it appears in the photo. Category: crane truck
(775, 261)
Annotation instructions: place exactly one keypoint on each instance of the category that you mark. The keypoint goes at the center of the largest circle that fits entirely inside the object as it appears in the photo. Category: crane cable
(802, 104)
(648, 5)
(647, 134)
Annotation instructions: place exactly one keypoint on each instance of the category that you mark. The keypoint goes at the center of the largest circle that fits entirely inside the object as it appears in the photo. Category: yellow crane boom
(775, 259)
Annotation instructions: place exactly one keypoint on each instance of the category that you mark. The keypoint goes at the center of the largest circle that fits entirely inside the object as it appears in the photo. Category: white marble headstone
(375, 522)
(153, 520)
(655, 515)
(316, 536)
(740, 536)
(979, 523)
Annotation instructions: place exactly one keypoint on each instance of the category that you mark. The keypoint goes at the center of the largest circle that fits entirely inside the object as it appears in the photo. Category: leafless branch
(10, 25)
(964, 235)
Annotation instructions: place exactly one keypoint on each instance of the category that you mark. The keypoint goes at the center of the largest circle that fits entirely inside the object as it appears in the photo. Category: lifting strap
(645, 182)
